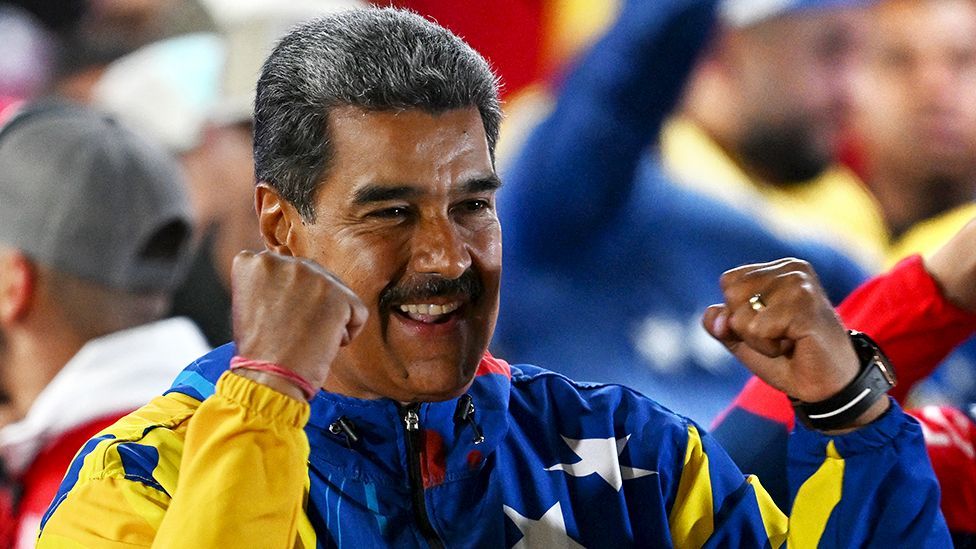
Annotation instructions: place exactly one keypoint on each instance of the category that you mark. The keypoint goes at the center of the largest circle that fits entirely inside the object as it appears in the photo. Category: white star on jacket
(548, 531)
(600, 456)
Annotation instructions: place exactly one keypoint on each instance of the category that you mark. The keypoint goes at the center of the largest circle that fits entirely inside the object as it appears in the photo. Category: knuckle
(766, 326)
(797, 264)
(758, 327)
(795, 278)
(739, 323)
(729, 277)
(739, 293)
(795, 283)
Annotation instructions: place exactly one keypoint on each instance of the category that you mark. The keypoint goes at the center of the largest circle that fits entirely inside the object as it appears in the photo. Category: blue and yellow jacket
(221, 461)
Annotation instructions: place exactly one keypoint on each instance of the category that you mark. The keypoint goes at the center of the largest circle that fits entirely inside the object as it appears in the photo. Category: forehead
(406, 147)
(925, 23)
(808, 30)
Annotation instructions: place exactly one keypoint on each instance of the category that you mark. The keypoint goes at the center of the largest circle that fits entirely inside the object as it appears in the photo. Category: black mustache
(419, 290)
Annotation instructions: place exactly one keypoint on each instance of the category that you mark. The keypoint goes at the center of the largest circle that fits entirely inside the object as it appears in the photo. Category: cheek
(487, 247)
(363, 261)
(967, 95)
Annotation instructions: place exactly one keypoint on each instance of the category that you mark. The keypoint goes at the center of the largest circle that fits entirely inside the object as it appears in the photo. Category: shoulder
(559, 419)
(597, 409)
(199, 379)
(144, 447)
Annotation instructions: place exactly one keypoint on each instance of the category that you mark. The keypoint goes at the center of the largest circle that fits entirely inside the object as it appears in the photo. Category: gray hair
(375, 59)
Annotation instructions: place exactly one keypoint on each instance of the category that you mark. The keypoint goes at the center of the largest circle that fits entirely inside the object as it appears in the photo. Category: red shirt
(24, 504)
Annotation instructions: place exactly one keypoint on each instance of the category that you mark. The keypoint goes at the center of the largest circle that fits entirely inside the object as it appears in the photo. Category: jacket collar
(376, 449)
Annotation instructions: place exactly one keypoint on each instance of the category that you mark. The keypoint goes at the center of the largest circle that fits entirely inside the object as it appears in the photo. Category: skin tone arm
(953, 266)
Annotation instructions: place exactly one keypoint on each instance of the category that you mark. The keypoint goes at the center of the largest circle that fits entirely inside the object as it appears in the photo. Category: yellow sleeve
(230, 472)
(716, 506)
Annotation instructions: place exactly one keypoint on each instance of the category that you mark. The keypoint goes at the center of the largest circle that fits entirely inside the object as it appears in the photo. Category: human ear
(17, 281)
(279, 221)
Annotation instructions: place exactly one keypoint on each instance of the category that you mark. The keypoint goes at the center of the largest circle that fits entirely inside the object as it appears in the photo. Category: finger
(715, 320)
(759, 280)
(745, 273)
(741, 323)
(786, 308)
(795, 305)
(358, 314)
(240, 263)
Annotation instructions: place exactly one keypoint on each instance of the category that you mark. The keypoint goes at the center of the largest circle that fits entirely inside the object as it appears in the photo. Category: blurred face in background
(794, 80)
(916, 101)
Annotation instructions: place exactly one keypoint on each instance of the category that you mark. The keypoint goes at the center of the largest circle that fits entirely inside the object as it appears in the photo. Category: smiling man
(409, 226)
(359, 406)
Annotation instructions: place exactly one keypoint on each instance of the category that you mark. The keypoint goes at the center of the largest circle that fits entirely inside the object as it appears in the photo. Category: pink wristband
(241, 363)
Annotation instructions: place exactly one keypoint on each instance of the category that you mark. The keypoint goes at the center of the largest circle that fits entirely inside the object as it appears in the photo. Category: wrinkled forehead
(394, 143)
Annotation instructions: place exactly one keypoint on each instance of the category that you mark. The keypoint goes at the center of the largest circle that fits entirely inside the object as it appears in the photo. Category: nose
(438, 248)
(937, 80)
(842, 83)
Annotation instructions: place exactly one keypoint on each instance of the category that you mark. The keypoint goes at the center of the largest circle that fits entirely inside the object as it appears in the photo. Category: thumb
(715, 320)
(358, 314)
(716, 323)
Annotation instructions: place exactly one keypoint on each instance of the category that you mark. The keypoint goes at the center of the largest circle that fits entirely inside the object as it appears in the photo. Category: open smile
(430, 313)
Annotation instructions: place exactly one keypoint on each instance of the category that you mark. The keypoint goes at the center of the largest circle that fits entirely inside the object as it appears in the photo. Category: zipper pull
(344, 426)
(464, 413)
(412, 420)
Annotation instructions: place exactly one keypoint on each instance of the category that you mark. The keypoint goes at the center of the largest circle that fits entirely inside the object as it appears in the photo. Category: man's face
(916, 103)
(406, 218)
(794, 80)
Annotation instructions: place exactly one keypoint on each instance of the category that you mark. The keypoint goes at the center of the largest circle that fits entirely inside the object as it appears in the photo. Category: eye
(476, 205)
(390, 213)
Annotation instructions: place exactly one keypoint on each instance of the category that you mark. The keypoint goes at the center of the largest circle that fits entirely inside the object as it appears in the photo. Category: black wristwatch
(872, 382)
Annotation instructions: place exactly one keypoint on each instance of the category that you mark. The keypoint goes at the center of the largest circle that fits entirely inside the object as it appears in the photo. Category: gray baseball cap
(83, 195)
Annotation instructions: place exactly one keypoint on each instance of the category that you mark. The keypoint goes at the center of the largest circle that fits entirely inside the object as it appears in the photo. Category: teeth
(429, 309)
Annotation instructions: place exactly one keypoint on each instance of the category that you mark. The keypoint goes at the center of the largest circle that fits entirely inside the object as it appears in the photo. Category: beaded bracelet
(241, 363)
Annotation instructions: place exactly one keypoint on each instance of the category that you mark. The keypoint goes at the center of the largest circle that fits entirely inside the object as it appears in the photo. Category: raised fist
(292, 312)
(777, 320)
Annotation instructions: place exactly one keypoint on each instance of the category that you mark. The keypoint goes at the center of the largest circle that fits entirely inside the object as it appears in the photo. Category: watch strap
(871, 384)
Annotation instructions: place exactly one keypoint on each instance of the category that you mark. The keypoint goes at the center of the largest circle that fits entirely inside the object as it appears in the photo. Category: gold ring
(757, 303)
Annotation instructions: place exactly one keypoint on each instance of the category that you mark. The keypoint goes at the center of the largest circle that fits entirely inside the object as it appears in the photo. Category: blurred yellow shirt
(927, 236)
(833, 208)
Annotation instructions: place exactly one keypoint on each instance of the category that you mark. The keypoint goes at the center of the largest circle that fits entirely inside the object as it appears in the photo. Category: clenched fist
(777, 320)
(292, 312)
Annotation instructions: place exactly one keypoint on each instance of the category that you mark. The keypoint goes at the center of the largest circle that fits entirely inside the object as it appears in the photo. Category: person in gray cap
(94, 235)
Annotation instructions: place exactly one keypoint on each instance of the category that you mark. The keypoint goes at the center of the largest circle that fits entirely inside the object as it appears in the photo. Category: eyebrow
(480, 185)
(385, 193)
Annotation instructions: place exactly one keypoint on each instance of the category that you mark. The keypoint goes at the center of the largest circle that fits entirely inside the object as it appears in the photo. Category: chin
(441, 381)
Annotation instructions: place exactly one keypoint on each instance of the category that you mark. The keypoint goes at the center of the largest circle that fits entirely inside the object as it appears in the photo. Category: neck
(30, 362)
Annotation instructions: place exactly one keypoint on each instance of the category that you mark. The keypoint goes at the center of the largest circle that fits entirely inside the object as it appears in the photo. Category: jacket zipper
(411, 422)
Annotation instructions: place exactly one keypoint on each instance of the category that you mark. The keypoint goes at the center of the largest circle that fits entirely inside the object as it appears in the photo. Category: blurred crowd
(636, 170)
